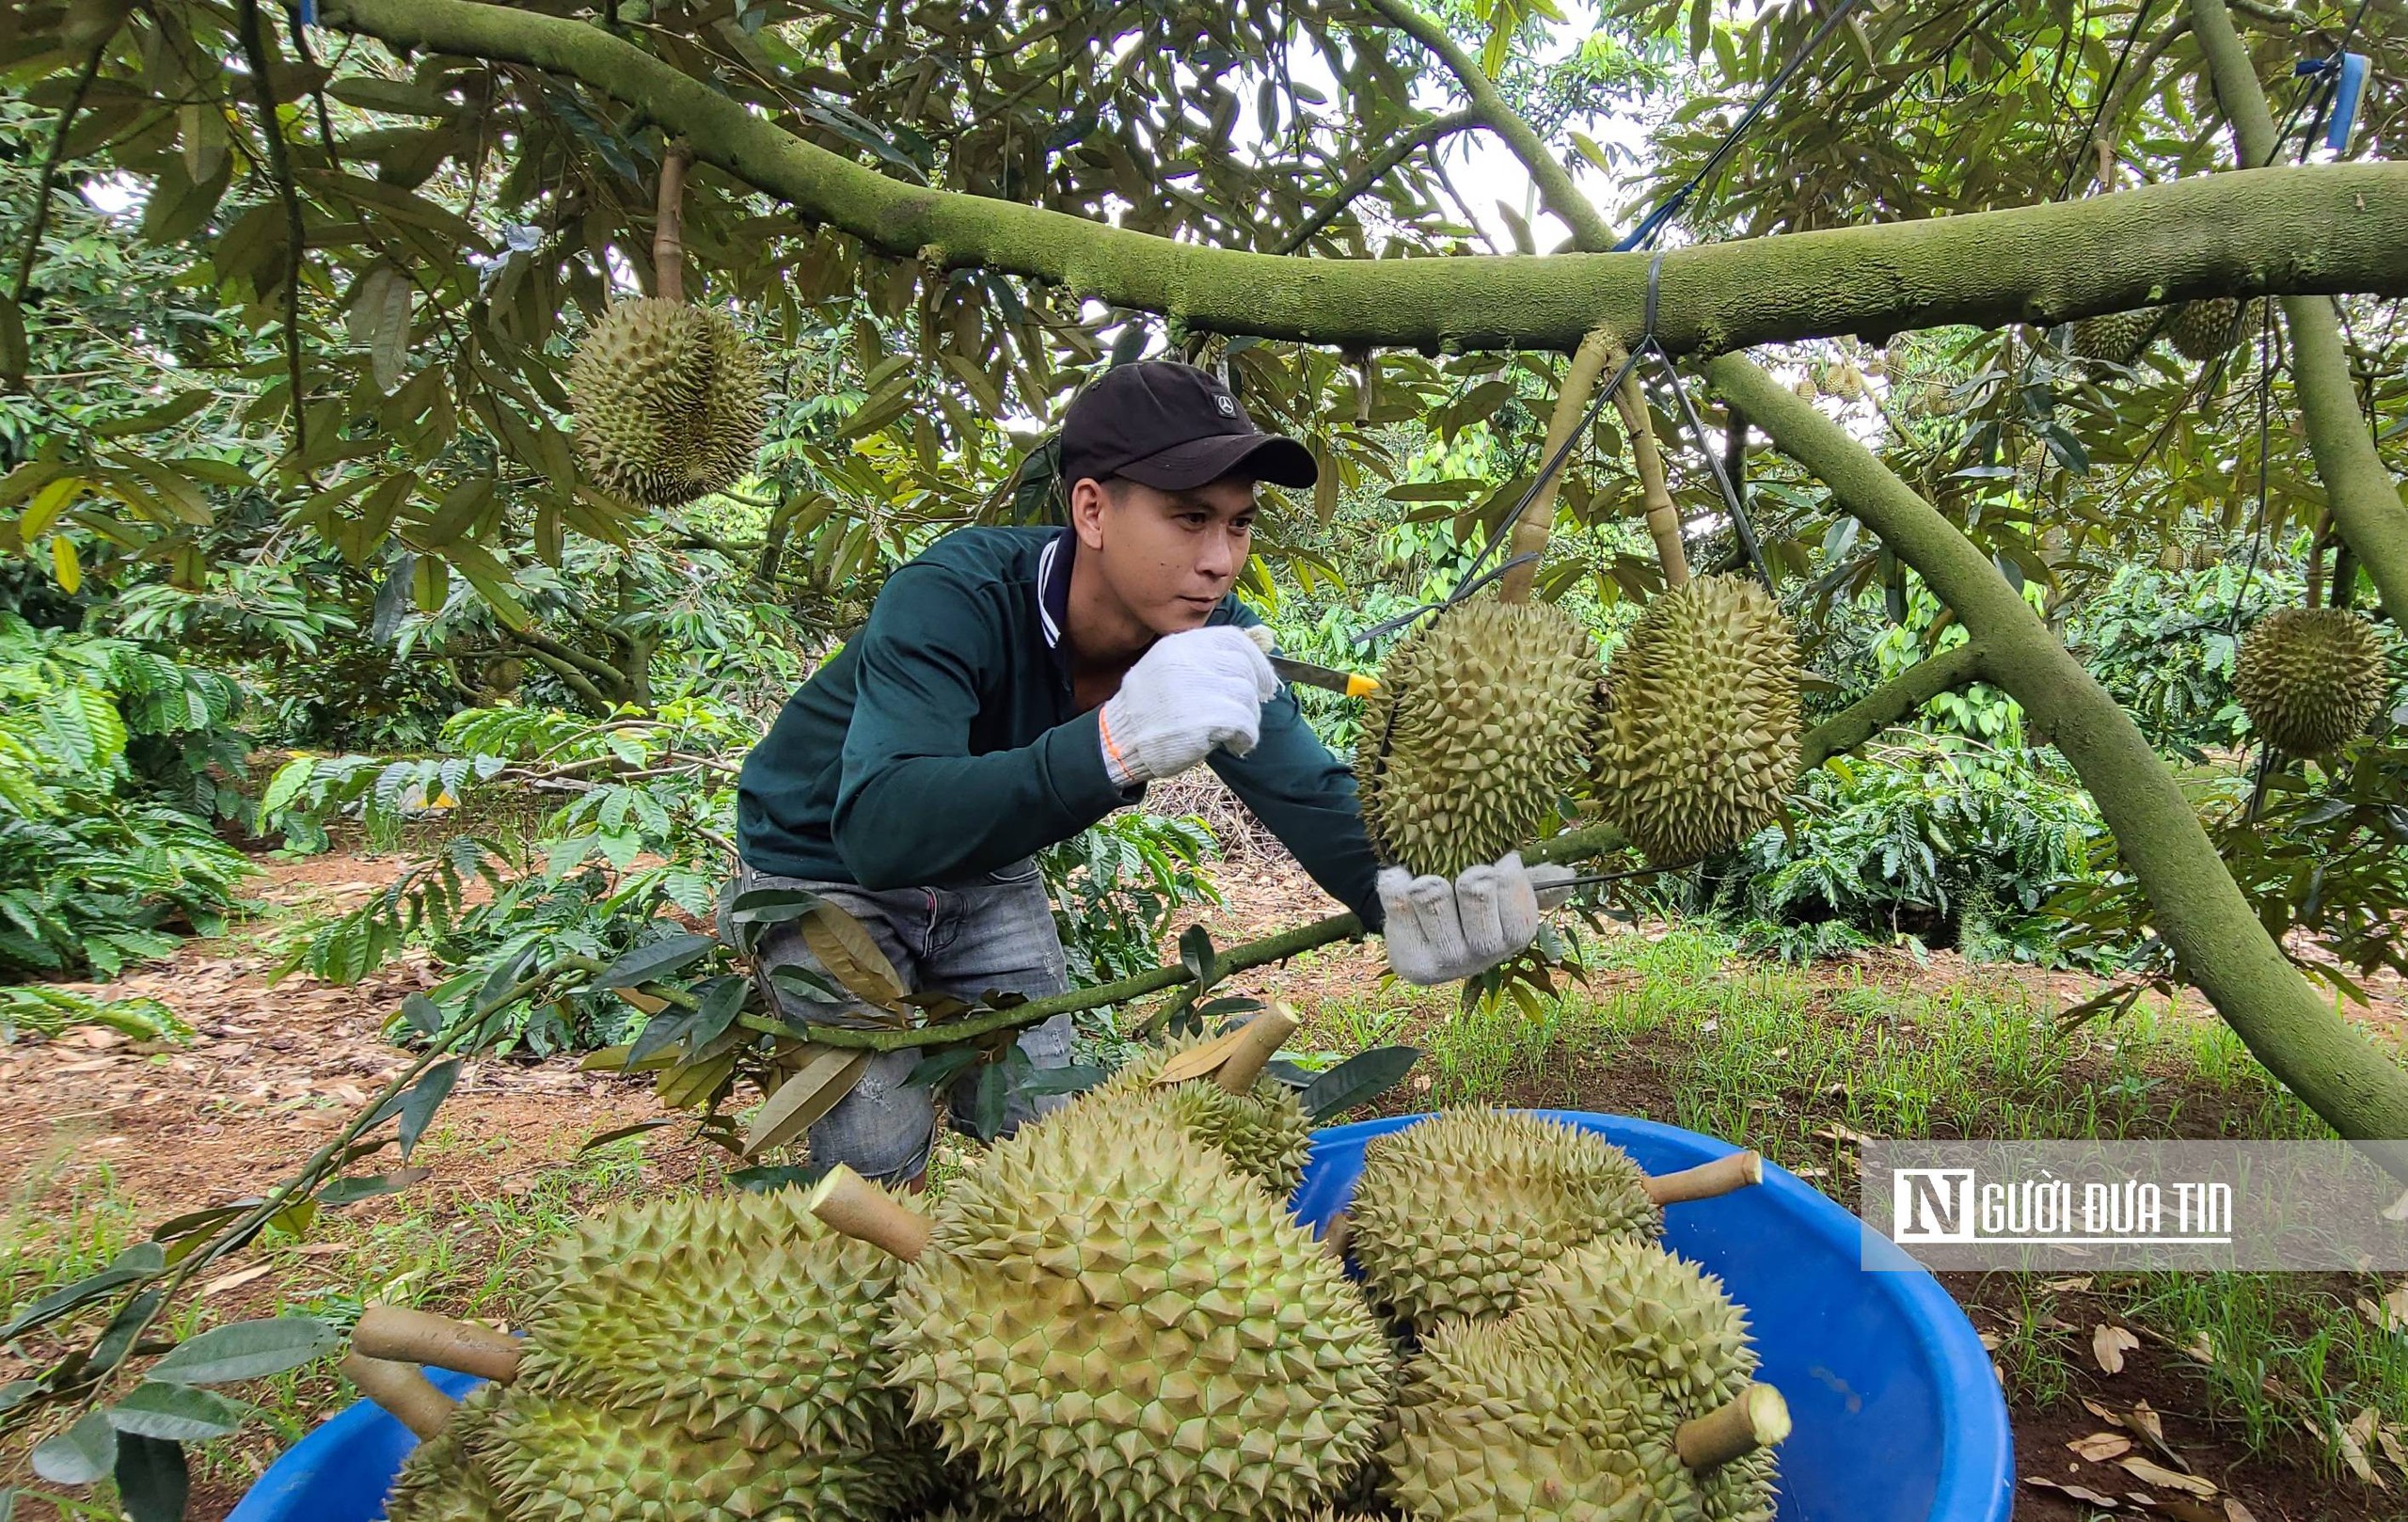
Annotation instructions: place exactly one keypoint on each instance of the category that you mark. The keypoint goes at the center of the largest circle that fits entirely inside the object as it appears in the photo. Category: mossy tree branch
(2357, 1089)
(2316, 230)
(1867, 717)
(1557, 192)
(2365, 501)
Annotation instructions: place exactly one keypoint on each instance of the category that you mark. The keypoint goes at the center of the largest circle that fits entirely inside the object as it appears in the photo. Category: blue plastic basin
(1898, 1417)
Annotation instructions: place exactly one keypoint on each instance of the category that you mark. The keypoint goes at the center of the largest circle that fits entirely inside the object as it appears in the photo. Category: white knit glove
(1192, 691)
(1438, 932)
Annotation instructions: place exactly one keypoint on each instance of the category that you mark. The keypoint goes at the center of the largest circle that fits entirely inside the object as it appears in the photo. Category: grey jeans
(994, 934)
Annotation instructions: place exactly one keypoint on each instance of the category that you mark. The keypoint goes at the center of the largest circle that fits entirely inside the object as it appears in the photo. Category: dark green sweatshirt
(943, 741)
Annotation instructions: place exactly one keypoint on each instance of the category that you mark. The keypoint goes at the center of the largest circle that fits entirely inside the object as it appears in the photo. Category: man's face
(1168, 557)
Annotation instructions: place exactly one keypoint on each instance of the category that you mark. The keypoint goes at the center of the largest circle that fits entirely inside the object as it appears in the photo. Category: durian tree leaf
(721, 1001)
(418, 1106)
(153, 1483)
(988, 1100)
(804, 984)
(1358, 1080)
(938, 1069)
(117, 1340)
(694, 1082)
(368, 1186)
(1228, 1008)
(827, 1076)
(81, 1455)
(1075, 1078)
(771, 906)
(667, 1029)
(1295, 1077)
(622, 1134)
(140, 1262)
(176, 1413)
(845, 947)
(247, 1349)
(657, 959)
(1195, 952)
(422, 1014)
(178, 1227)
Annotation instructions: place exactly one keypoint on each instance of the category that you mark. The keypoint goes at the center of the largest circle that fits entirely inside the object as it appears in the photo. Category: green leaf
(139, 1262)
(166, 414)
(657, 959)
(368, 1185)
(151, 1480)
(761, 1181)
(845, 948)
(1195, 952)
(247, 1349)
(661, 1031)
(287, 783)
(622, 1132)
(7, 1503)
(419, 1105)
(1075, 1078)
(1358, 1080)
(178, 1413)
(938, 1069)
(424, 1014)
(771, 906)
(79, 1455)
(723, 1001)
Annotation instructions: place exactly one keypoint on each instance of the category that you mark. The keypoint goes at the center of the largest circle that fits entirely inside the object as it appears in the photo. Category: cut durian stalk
(401, 1335)
(1759, 1418)
(403, 1391)
(1259, 1122)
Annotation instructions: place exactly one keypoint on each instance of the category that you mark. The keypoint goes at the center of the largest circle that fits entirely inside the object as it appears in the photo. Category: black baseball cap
(1173, 427)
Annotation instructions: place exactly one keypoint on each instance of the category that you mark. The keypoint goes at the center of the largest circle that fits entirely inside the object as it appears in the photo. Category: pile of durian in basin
(1113, 1317)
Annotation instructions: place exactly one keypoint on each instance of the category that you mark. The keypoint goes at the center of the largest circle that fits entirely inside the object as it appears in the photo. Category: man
(1014, 686)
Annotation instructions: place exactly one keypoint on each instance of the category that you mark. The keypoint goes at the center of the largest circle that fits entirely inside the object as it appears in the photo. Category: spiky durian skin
(669, 400)
(2204, 329)
(1568, 1408)
(1266, 1132)
(737, 1313)
(1115, 1326)
(1457, 1214)
(1699, 749)
(562, 1460)
(2309, 678)
(2116, 337)
(1478, 723)
(441, 1480)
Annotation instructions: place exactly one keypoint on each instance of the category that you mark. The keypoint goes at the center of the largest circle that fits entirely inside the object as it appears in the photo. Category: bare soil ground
(274, 1070)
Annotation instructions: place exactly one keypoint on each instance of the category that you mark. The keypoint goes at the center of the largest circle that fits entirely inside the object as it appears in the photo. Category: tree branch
(2365, 501)
(2103, 134)
(2357, 1089)
(56, 156)
(1557, 192)
(2325, 228)
(280, 163)
(1867, 717)
(1408, 143)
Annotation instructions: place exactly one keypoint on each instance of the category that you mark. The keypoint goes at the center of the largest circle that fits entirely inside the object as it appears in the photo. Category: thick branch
(2357, 1089)
(2326, 228)
(1407, 144)
(280, 164)
(1867, 717)
(1530, 529)
(2365, 502)
(1556, 190)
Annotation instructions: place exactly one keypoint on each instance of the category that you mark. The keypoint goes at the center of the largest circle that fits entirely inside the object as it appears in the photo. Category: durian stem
(1537, 520)
(1663, 518)
(861, 1209)
(1335, 1236)
(1264, 1035)
(407, 1335)
(404, 1393)
(1758, 1418)
(1735, 1171)
(669, 227)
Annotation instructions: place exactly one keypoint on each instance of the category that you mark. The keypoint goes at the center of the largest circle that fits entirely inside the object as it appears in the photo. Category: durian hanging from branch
(2310, 679)
(670, 397)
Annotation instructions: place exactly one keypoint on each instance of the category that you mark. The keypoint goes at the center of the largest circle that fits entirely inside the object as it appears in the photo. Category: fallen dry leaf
(322, 1249)
(2187, 1508)
(2144, 1419)
(2235, 1511)
(2202, 1348)
(2080, 1493)
(2104, 1412)
(2158, 1474)
(2395, 1308)
(1989, 1339)
(2108, 1344)
(234, 1280)
(2353, 1439)
(2388, 1440)
(2068, 1286)
(2101, 1445)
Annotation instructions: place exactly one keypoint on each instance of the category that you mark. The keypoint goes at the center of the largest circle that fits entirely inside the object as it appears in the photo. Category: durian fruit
(1457, 1215)
(1479, 721)
(439, 1480)
(1110, 1324)
(1624, 1388)
(564, 1460)
(1260, 1122)
(2116, 337)
(670, 401)
(2204, 329)
(2309, 678)
(1699, 750)
(736, 1312)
